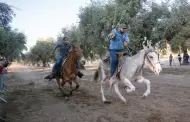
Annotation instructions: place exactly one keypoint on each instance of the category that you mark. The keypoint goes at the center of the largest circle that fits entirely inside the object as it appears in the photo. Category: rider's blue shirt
(63, 48)
(117, 42)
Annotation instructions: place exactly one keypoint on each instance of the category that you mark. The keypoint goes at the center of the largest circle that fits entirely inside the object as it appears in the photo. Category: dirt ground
(33, 99)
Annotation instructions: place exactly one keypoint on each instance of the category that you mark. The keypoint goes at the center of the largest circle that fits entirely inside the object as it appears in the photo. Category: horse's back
(129, 68)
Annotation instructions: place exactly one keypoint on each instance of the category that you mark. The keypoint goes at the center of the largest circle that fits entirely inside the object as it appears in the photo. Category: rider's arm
(112, 34)
(126, 39)
(57, 45)
(55, 49)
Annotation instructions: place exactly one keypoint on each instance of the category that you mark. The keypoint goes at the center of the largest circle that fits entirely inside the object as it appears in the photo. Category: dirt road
(33, 99)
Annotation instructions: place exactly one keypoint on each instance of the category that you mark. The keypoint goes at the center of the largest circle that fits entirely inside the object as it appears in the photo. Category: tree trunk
(38, 64)
(185, 50)
(44, 63)
(33, 64)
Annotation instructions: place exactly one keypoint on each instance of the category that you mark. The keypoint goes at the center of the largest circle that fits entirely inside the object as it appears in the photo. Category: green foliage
(96, 23)
(42, 51)
(164, 52)
(6, 15)
(12, 42)
(147, 21)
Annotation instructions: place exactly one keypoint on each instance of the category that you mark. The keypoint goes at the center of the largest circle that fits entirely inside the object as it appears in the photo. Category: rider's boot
(51, 76)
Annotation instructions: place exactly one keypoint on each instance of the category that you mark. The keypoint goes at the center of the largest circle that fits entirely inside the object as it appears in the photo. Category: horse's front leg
(147, 82)
(129, 86)
(70, 88)
(77, 85)
(59, 85)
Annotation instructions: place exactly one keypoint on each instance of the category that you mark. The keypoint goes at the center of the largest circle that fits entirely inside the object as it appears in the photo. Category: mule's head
(78, 53)
(151, 59)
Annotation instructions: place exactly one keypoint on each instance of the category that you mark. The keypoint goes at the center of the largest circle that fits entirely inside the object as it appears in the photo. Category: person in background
(179, 58)
(170, 59)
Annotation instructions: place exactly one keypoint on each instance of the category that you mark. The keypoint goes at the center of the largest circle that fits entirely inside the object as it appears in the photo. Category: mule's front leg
(128, 84)
(102, 93)
(117, 92)
(147, 82)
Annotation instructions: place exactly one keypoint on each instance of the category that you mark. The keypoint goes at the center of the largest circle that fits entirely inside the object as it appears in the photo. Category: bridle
(146, 57)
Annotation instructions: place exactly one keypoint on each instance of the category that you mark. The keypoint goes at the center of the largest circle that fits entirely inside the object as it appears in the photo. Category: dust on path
(33, 99)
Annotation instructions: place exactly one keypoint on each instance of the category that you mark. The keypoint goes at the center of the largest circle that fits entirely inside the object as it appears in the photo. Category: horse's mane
(76, 46)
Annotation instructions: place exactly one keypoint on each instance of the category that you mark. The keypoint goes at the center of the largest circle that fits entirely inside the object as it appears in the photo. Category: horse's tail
(96, 75)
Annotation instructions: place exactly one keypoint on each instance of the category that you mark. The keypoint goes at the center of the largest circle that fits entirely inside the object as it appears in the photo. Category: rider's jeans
(57, 64)
(114, 60)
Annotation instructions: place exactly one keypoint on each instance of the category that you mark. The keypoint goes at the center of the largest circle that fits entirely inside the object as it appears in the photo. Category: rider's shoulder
(58, 43)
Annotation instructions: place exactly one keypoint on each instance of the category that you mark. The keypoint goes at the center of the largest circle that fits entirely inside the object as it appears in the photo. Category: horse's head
(78, 53)
(151, 59)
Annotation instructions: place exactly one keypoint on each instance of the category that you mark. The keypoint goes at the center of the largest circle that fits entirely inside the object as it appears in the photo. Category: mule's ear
(144, 47)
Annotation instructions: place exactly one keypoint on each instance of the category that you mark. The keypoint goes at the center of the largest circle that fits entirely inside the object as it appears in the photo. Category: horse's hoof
(144, 96)
(107, 102)
(124, 101)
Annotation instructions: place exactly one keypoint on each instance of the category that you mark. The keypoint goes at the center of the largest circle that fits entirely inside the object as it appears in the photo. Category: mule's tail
(96, 75)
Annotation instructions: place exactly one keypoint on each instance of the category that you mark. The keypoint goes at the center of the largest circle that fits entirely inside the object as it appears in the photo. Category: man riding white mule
(131, 69)
(119, 39)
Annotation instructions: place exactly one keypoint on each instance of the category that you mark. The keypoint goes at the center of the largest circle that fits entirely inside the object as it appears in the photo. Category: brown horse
(68, 71)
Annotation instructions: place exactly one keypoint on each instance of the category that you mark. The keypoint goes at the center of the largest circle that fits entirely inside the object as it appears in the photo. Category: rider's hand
(112, 35)
(117, 25)
(125, 43)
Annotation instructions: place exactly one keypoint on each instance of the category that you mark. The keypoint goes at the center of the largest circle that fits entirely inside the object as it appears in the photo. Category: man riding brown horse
(68, 73)
(63, 53)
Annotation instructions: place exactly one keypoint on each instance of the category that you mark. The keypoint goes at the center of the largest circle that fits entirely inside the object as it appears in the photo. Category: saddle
(120, 61)
(60, 73)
